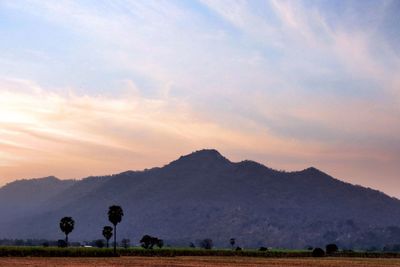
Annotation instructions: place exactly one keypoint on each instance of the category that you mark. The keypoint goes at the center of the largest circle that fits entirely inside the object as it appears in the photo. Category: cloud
(77, 135)
(133, 84)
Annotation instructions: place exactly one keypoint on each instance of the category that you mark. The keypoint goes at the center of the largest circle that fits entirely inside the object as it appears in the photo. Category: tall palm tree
(107, 233)
(67, 225)
(115, 214)
(232, 241)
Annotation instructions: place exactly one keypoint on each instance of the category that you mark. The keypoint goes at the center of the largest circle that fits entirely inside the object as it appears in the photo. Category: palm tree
(107, 233)
(115, 214)
(67, 225)
(232, 241)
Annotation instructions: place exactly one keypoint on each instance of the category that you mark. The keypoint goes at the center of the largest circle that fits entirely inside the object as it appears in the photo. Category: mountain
(204, 195)
(24, 197)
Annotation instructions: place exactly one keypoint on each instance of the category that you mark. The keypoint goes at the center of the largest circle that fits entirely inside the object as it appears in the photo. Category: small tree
(61, 243)
(148, 242)
(99, 243)
(232, 241)
(67, 225)
(331, 249)
(107, 233)
(318, 252)
(145, 242)
(206, 243)
(115, 214)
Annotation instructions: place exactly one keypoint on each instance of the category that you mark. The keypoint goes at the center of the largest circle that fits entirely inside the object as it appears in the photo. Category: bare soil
(199, 262)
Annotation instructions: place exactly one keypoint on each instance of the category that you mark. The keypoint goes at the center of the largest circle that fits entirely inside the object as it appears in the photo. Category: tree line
(115, 214)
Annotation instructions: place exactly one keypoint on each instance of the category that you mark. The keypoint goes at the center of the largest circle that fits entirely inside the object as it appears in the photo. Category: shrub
(99, 243)
(262, 249)
(318, 252)
(206, 243)
(238, 249)
(148, 242)
(331, 249)
(61, 243)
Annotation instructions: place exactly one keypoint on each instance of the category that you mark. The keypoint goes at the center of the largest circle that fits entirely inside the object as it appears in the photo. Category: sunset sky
(100, 87)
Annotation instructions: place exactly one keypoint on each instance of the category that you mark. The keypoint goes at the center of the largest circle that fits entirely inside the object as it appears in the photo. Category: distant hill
(204, 195)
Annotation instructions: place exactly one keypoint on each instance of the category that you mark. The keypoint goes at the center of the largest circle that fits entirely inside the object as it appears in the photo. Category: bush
(99, 243)
(206, 243)
(61, 243)
(318, 252)
(262, 249)
(238, 249)
(148, 242)
(331, 249)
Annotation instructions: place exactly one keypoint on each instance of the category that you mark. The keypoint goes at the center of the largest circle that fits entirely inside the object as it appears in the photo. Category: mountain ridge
(205, 195)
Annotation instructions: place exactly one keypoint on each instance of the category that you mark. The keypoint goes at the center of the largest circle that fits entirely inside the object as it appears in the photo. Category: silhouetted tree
(192, 245)
(263, 249)
(61, 243)
(232, 241)
(67, 225)
(206, 243)
(318, 252)
(107, 233)
(145, 242)
(331, 248)
(115, 214)
(99, 243)
(148, 242)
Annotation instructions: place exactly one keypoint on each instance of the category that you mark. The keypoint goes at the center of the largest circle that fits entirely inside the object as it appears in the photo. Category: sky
(101, 87)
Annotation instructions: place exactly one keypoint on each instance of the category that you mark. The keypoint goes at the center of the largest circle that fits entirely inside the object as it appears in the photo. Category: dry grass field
(199, 262)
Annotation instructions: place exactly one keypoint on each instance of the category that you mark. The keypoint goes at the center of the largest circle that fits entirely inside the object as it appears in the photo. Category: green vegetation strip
(171, 252)
(54, 252)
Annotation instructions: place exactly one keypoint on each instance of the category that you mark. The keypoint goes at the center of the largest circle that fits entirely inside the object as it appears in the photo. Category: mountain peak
(202, 152)
(313, 170)
(203, 157)
(205, 154)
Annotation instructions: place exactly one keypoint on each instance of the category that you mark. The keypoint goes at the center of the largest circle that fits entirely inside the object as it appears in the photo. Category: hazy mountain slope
(205, 195)
(24, 197)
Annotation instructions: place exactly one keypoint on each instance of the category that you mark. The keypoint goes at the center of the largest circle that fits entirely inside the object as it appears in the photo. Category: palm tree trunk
(107, 243)
(66, 240)
(115, 239)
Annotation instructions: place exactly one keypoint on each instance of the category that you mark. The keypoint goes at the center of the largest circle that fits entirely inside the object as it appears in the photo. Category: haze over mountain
(204, 195)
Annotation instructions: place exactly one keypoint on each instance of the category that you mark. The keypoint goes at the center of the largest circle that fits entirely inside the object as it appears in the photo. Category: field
(171, 257)
(198, 262)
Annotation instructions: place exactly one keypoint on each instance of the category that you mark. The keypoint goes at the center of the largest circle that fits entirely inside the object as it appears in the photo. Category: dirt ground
(199, 261)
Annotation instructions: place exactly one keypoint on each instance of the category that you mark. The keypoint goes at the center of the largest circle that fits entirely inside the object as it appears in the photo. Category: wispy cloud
(79, 135)
(109, 86)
